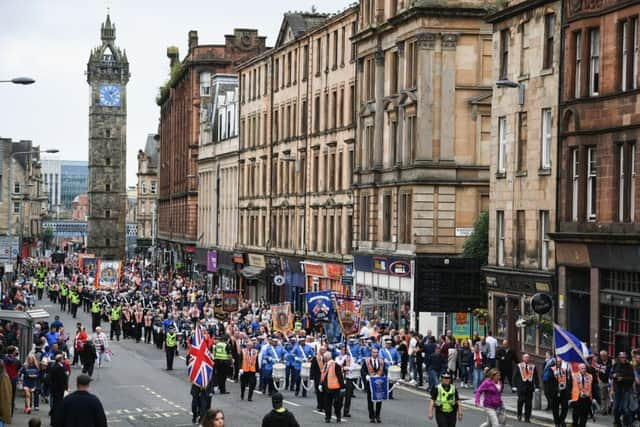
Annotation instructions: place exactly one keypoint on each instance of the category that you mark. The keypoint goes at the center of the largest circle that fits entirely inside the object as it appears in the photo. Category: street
(136, 390)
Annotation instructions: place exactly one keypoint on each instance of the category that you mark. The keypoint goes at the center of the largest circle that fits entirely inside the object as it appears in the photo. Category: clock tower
(107, 75)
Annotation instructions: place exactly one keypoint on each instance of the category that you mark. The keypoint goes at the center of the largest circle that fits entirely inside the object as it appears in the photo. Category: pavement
(136, 390)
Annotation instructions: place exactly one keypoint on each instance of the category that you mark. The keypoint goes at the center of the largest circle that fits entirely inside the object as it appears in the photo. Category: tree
(47, 236)
(477, 244)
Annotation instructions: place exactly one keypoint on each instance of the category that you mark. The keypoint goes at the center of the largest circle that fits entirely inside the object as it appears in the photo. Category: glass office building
(74, 180)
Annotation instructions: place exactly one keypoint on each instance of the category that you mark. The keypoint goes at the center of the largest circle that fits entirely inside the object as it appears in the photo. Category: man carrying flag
(200, 369)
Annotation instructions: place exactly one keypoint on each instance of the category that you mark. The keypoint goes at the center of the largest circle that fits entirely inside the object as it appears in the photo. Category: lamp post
(20, 81)
(506, 83)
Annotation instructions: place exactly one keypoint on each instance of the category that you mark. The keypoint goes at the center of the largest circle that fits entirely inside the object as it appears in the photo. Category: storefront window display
(385, 305)
(501, 317)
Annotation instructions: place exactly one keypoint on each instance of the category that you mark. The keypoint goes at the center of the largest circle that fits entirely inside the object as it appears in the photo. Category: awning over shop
(251, 272)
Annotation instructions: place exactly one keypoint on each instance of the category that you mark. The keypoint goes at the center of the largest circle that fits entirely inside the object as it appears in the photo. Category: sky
(50, 41)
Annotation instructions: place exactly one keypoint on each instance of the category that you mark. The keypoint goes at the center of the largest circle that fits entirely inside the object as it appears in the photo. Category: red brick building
(180, 101)
(598, 238)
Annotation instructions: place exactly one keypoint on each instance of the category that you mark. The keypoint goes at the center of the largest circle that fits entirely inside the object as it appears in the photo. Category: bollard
(537, 399)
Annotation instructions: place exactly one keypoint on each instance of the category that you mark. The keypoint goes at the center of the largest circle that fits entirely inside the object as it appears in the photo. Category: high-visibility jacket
(582, 385)
(95, 307)
(249, 357)
(115, 313)
(446, 400)
(63, 291)
(171, 340)
(40, 284)
(75, 298)
(221, 351)
(329, 374)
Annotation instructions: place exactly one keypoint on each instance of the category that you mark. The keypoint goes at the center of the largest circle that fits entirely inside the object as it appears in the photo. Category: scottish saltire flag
(569, 347)
(200, 364)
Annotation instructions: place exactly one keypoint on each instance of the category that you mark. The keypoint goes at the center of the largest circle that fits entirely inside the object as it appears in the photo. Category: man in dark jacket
(623, 378)
(88, 356)
(333, 385)
(81, 408)
(279, 416)
(58, 384)
(525, 380)
(506, 360)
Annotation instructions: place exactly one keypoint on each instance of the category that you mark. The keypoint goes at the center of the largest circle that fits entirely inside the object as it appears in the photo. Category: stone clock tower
(107, 75)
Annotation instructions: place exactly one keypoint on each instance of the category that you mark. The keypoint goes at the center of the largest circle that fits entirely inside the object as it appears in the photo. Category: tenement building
(147, 197)
(180, 101)
(297, 141)
(423, 135)
(526, 40)
(598, 232)
(218, 180)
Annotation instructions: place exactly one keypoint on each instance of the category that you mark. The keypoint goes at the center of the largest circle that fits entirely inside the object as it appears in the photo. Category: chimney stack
(193, 39)
(174, 55)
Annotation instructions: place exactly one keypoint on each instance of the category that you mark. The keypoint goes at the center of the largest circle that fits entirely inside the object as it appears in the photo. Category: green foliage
(477, 245)
(166, 87)
(46, 236)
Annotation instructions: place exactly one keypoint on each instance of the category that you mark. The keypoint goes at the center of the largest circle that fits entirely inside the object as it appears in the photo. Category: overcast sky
(50, 40)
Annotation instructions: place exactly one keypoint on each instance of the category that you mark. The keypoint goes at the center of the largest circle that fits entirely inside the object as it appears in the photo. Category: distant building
(147, 193)
(74, 180)
(52, 181)
(80, 208)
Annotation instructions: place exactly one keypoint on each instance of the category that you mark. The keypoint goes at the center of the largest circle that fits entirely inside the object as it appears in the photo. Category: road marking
(290, 403)
(333, 417)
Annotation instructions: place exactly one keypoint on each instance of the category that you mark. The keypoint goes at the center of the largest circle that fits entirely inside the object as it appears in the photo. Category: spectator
(5, 397)
(465, 363)
(437, 365)
(603, 375)
(279, 416)
(12, 367)
(81, 408)
(213, 418)
(623, 378)
(478, 366)
(491, 388)
(492, 345)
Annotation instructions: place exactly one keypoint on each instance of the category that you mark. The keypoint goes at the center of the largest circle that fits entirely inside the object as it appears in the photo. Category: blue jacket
(390, 356)
(268, 358)
(52, 338)
(288, 360)
(308, 352)
(364, 353)
(297, 357)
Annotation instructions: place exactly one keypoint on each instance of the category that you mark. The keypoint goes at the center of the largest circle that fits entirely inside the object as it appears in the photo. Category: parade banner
(81, 260)
(163, 288)
(332, 329)
(319, 306)
(218, 311)
(89, 266)
(146, 288)
(230, 301)
(348, 312)
(108, 274)
(282, 318)
(379, 388)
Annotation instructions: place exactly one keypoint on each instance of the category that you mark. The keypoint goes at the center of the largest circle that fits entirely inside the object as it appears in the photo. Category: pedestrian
(5, 396)
(213, 418)
(332, 380)
(491, 390)
(30, 373)
(506, 359)
(279, 415)
(559, 386)
(581, 393)
(171, 346)
(437, 365)
(88, 356)
(525, 381)
(446, 401)
(58, 384)
(492, 345)
(12, 367)
(622, 383)
(603, 376)
(372, 367)
(81, 408)
(101, 344)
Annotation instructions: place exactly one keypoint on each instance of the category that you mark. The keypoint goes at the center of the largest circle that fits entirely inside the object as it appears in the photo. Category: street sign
(9, 247)
(541, 303)
(278, 280)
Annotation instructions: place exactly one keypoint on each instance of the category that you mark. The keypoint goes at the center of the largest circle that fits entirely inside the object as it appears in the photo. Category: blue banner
(319, 306)
(332, 329)
(379, 388)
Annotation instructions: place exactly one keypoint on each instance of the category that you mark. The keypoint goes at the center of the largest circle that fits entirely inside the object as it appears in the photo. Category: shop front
(386, 287)
(294, 280)
(255, 278)
(509, 300)
(224, 271)
(321, 276)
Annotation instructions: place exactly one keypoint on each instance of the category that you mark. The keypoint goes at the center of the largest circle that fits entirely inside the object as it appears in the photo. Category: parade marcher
(491, 390)
(267, 358)
(315, 374)
(559, 386)
(581, 393)
(279, 416)
(116, 312)
(346, 362)
(200, 400)
(96, 314)
(148, 327)
(138, 317)
(222, 359)
(372, 367)
(81, 408)
(332, 380)
(622, 377)
(446, 401)
(249, 367)
(525, 380)
(296, 358)
(391, 358)
(171, 346)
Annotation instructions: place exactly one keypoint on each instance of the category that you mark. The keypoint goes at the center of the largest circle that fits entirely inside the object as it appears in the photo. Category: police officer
(74, 300)
(372, 367)
(96, 313)
(64, 291)
(525, 380)
(171, 346)
(446, 401)
(248, 368)
(116, 311)
(222, 357)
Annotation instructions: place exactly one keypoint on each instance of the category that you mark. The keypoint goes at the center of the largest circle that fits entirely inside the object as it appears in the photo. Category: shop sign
(464, 231)
(348, 270)
(212, 261)
(189, 249)
(347, 281)
(312, 269)
(543, 287)
(238, 258)
(400, 268)
(257, 260)
(335, 270)
(380, 265)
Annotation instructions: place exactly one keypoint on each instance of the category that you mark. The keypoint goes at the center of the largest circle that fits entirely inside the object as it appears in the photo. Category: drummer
(297, 357)
(351, 374)
(391, 359)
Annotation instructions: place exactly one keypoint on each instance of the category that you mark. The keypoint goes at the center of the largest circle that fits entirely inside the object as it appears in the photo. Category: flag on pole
(200, 364)
(569, 347)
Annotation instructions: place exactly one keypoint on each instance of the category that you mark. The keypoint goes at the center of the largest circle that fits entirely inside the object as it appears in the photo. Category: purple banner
(212, 261)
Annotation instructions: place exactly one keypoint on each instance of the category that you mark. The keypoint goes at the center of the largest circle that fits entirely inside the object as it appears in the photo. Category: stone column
(401, 151)
(378, 145)
(594, 312)
(448, 93)
(424, 137)
(361, 152)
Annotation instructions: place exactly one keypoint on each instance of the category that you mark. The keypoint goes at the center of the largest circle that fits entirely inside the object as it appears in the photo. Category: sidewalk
(510, 403)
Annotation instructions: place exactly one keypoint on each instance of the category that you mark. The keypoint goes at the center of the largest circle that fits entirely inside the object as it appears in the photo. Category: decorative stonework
(400, 47)
(427, 40)
(450, 41)
(379, 57)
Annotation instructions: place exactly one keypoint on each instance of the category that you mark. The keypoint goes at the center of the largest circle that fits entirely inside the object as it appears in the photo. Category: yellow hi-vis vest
(446, 399)
(171, 339)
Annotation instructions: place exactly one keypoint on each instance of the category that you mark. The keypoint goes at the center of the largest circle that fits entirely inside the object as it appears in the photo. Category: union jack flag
(200, 363)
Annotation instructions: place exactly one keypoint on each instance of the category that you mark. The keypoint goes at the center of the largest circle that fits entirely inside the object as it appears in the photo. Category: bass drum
(279, 370)
(394, 373)
(305, 370)
(354, 373)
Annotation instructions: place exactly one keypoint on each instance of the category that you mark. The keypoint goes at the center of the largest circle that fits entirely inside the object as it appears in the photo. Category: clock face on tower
(109, 95)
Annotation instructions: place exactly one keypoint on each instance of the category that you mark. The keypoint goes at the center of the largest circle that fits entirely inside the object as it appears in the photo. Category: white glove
(320, 388)
(240, 372)
(368, 377)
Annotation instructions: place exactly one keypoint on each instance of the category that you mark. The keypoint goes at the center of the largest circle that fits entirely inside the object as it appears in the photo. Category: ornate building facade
(147, 195)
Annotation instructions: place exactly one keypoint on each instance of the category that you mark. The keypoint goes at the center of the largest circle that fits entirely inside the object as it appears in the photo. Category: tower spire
(108, 30)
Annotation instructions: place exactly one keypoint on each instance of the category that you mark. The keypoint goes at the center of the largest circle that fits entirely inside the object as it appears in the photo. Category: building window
(594, 62)
(629, 54)
(107, 161)
(626, 182)
(107, 242)
(500, 237)
(524, 48)
(405, 209)
(316, 171)
(364, 218)
(205, 84)
(107, 213)
(316, 114)
(393, 136)
(522, 141)
(318, 56)
(549, 31)
(635, 55)
(16, 208)
(16, 188)
(411, 52)
(502, 145)
(386, 218)
(107, 187)
(343, 44)
(591, 184)
(521, 238)
(335, 49)
(575, 182)
(303, 118)
(546, 138)
(504, 54)
(578, 65)
(411, 136)
(393, 78)
(545, 241)
(632, 185)
(624, 52)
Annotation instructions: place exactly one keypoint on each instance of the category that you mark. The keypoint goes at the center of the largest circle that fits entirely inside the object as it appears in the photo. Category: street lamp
(20, 81)
(511, 84)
